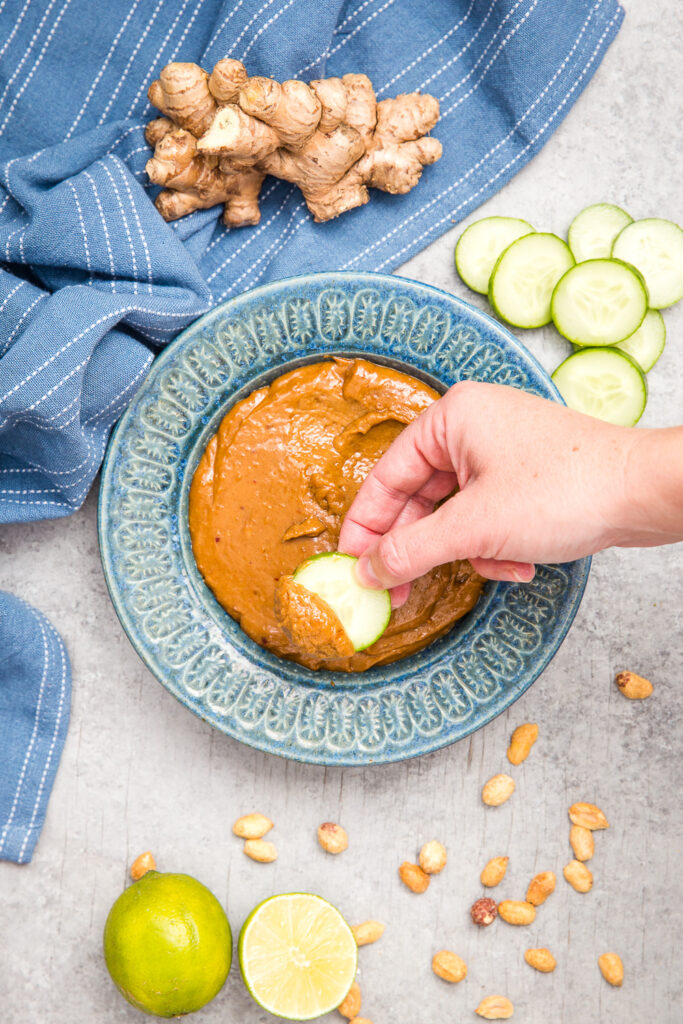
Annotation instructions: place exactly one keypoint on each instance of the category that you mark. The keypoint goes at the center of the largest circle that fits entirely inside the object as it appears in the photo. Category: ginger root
(221, 134)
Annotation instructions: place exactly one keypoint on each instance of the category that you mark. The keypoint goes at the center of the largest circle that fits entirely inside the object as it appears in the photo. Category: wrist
(652, 497)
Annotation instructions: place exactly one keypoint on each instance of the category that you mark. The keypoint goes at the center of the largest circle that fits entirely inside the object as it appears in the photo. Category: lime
(167, 944)
(298, 956)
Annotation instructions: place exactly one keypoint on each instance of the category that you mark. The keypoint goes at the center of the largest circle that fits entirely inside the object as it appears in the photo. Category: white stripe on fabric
(328, 53)
(125, 135)
(465, 48)
(26, 312)
(33, 70)
(487, 155)
(283, 235)
(125, 226)
(96, 454)
(254, 18)
(266, 26)
(155, 59)
(131, 59)
(216, 34)
(121, 167)
(86, 174)
(8, 258)
(48, 762)
(140, 373)
(34, 732)
(514, 160)
(18, 22)
(351, 16)
(253, 236)
(105, 65)
(29, 490)
(96, 323)
(13, 292)
(189, 25)
(56, 387)
(27, 54)
(83, 231)
(501, 46)
(222, 232)
(428, 51)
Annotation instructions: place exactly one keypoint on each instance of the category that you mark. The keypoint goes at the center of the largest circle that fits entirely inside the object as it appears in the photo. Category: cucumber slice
(363, 613)
(524, 278)
(480, 245)
(592, 232)
(603, 382)
(599, 302)
(647, 344)
(655, 248)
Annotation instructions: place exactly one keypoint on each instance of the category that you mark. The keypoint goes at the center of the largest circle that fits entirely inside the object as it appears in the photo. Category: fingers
(403, 471)
(510, 572)
(411, 550)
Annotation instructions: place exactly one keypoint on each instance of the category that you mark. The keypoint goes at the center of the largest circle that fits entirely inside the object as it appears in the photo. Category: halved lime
(297, 955)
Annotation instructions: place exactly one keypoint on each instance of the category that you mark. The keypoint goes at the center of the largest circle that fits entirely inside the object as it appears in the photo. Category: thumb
(409, 551)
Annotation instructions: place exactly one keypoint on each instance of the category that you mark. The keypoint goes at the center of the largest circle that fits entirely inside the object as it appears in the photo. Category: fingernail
(365, 574)
(523, 575)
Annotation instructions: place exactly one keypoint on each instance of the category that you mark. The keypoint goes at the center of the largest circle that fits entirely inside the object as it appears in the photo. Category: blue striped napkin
(35, 691)
(93, 281)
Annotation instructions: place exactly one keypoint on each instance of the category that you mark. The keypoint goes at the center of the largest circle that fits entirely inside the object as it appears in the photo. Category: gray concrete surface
(138, 771)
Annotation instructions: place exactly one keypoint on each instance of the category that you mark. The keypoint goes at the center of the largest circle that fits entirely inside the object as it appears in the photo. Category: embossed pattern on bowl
(188, 641)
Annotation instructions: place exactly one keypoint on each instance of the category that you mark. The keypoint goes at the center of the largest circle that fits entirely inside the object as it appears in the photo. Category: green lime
(167, 944)
(297, 955)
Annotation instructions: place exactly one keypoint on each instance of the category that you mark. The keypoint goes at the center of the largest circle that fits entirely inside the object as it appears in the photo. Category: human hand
(537, 483)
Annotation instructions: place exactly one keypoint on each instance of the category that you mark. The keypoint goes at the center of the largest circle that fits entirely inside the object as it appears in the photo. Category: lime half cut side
(297, 955)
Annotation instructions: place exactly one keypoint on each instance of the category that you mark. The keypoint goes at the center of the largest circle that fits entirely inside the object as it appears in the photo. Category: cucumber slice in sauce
(647, 344)
(655, 248)
(592, 232)
(524, 278)
(480, 245)
(605, 383)
(599, 302)
(363, 613)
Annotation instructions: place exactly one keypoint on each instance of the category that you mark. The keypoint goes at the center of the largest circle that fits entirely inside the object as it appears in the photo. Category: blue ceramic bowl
(191, 644)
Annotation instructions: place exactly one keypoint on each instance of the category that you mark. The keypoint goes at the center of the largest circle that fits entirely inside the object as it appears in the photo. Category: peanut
(578, 875)
(433, 857)
(141, 865)
(413, 877)
(332, 838)
(582, 842)
(497, 790)
(495, 1008)
(517, 912)
(350, 1007)
(484, 911)
(449, 966)
(632, 686)
(494, 872)
(367, 932)
(541, 960)
(252, 826)
(611, 968)
(260, 850)
(540, 887)
(521, 742)
(588, 816)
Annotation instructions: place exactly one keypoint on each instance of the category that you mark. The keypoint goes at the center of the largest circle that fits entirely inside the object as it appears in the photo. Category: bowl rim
(488, 323)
